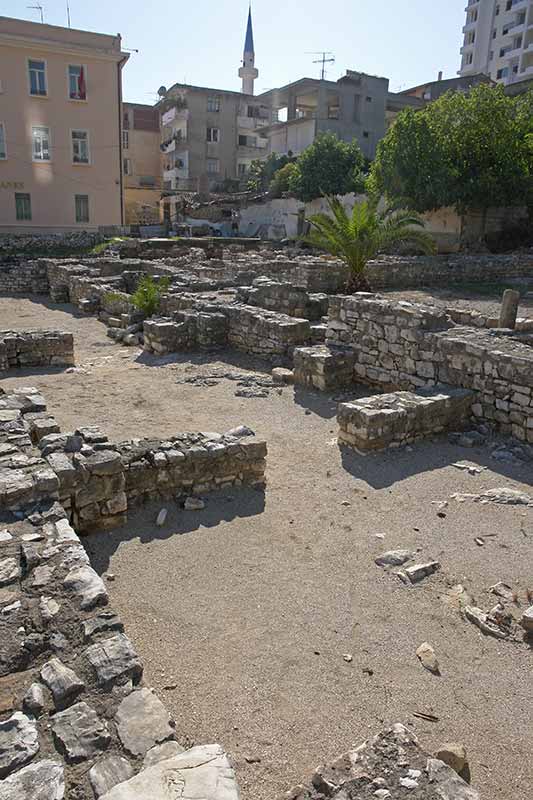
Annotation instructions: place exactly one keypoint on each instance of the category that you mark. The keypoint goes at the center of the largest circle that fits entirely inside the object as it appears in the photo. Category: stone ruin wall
(405, 346)
(76, 719)
(35, 348)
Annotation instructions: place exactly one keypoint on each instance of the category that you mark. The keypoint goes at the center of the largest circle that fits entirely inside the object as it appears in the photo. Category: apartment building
(498, 40)
(354, 107)
(209, 136)
(141, 163)
(60, 128)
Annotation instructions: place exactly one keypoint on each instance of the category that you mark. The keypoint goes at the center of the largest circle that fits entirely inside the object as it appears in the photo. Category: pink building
(60, 128)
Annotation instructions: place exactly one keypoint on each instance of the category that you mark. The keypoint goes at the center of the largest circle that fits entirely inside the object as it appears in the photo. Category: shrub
(147, 296)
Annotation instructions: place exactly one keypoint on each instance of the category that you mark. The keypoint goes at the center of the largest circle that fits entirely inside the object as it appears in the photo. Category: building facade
(141, 163)
(498, 40)
(353, 107)
(60, 128)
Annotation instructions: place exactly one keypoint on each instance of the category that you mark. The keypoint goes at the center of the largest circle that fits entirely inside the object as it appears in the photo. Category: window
(37, 71)
(242, 169)
(213, 134)
(77, 89)
(80, 147)
(365, 134)
(125, 139)
(81, 202)
(213, 166)
(253, 112)
(127, 166)
(247, 141)
(41, 144)
(213, 104)
(3, 151)
(23, 206)
(368, 99)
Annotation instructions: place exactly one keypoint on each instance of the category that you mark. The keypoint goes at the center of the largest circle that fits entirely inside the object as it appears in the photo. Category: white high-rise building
(498, 40)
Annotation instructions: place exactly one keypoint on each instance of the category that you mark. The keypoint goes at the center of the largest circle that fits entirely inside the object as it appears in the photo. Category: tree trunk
(357, 282)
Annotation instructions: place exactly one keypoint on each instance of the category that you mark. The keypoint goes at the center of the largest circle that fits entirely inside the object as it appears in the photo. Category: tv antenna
(68, 14)
(324, 60)
(38, 7)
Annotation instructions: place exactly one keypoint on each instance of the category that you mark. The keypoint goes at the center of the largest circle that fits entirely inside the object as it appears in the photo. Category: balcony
(514, 52)
(470, 26)
(472, 5)
(176, 140)
(174, 113)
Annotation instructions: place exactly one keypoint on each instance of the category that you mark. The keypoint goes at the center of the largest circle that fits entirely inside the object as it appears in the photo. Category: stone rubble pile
(391, 765)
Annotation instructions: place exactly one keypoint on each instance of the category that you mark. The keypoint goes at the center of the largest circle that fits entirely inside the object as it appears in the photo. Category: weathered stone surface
(34, 701)
(114, 659)
(88, 586)
(162, 752)
(527, 620)
(202, 773)
(18, 742)
(61, 680)
(107, 772)
(9, 571)
(484, 622)
(79, 732)
(142, 722)
(43, 780)
(105, 621)
(48, 608)
(418, 572)
(454, 755)
(448, 783)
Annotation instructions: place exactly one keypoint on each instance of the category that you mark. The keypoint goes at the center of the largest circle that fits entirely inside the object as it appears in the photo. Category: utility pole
(324, 60)
(38, 7)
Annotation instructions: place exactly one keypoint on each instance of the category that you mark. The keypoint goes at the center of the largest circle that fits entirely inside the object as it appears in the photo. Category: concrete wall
(141, 148)
(53, 184)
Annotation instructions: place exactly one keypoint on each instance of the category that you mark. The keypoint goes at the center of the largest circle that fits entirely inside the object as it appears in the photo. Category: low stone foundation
(284, 298)
(400, 418)
(324, 368)
(36, 349)
(75, 718)
(185, 331)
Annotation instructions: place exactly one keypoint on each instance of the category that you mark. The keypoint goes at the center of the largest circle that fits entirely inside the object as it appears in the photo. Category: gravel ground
(243, 612)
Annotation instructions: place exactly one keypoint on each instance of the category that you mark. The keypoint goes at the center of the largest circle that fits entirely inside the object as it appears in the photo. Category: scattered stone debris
(418, 572)
(393, 558)
(504, 496)
(470, 468)
(426, 655)
(527, 620)
(454, 755)
(161, 518)
(503, 590)
(194, 504)
(496, 622)
(249, 384)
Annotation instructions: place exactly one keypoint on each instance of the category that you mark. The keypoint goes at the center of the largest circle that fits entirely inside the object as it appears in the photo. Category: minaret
(248, 72)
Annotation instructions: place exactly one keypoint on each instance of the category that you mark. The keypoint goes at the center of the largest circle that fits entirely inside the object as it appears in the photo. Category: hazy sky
(201, 42)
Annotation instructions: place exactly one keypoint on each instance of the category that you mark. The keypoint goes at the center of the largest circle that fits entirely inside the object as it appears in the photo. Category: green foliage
(359, 236)
(262, 172)
(329, 167)
(285, 179)
(468, 150)
(147, 296)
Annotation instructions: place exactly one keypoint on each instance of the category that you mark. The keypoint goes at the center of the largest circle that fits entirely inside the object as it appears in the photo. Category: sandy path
(249, 606)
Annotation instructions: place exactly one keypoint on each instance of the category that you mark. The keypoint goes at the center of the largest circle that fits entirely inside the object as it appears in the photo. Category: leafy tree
(359, 236)
(147, 296)
(467, 150)
(329, 167)
(285, 179)
(262, 171)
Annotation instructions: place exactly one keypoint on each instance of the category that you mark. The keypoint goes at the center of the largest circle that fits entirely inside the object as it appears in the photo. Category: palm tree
(358, 237)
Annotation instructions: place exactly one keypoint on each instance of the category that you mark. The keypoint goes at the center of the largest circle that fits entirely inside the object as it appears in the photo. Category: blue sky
(201, 42)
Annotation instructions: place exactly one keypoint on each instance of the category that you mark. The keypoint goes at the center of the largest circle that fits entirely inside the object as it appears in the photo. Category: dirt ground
(487, 301)
(243, 613)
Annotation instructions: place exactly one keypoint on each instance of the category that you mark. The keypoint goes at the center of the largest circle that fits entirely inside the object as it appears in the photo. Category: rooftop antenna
(38, 7)
(322, 60)
(68, 14)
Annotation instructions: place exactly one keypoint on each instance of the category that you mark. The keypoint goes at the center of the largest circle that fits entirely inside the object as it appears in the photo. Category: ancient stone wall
(406, 346)
(285, 298)
(23, 278)
(36, 349)
(408, 272)
(76, 720)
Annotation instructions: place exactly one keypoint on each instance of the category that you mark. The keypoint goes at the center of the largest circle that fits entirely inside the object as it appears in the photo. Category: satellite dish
(162, 91)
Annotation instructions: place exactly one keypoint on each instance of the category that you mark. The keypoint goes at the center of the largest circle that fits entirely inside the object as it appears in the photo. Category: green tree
(467, 150)
(359, 236)
(329, 167)
(285, 179)
(147, 296)
(262, 171)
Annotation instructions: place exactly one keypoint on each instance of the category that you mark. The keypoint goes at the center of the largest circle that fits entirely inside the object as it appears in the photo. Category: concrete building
(353, 107)
(434, 89)
(211, 136)
(141, 163)
(498, 40)
(60, 128)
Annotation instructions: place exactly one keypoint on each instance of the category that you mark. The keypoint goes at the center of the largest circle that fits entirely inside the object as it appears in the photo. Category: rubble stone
(142, 722)
(79, 732)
